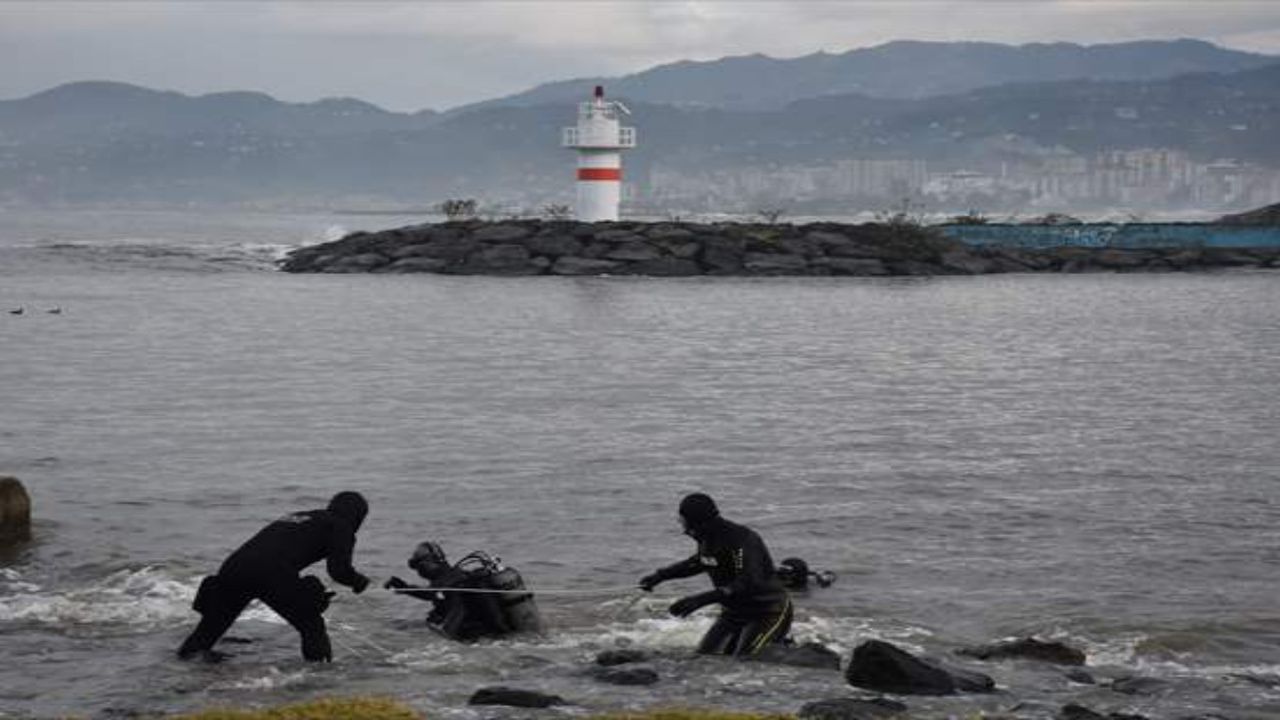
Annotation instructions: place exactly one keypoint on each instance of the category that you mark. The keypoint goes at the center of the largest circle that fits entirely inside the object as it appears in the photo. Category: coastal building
(599, 140)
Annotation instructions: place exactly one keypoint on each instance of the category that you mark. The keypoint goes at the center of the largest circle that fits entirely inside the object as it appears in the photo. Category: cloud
(408, 55)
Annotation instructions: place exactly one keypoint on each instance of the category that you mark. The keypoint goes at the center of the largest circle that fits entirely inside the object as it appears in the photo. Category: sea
(1091, 459)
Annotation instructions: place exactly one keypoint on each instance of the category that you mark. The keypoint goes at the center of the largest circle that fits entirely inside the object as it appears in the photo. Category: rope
(569, 592)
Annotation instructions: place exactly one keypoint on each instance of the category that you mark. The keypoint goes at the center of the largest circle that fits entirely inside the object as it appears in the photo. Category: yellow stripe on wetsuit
(768, 635)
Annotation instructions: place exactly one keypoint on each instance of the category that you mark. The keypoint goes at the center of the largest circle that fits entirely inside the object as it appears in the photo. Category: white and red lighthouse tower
(599, 140)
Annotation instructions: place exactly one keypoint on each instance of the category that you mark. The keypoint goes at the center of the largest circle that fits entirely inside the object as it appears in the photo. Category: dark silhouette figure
(756, 609)
(266, 568)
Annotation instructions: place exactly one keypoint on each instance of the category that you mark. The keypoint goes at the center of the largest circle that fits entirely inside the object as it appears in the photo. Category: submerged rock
(1028, 648)
(514, 697)
(881, 666)
(625, 676)
(851, 709)
(609, 658)
(812, 655)
(15, 511)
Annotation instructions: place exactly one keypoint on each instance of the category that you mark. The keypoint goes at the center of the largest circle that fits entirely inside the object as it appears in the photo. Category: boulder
(583, 266)
(364, 262)
(966, 262)
(663, 267)
(722, 255)
(669, 233)
(454, 250)
(15, 511)
(862, 267)
(513, 697)
(618, 236)
(625, 676)
(1137, 685)
(1079, 712)
(610, 658)
(416, 265)
(770, 264)
(500, 234)
(851, 709)
(633, 252)
(812, 655)
(881, 666)
(500, 260)
(554, 246)
(1028, 648)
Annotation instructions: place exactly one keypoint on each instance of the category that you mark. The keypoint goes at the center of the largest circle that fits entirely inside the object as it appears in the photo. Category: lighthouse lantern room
(599, 140)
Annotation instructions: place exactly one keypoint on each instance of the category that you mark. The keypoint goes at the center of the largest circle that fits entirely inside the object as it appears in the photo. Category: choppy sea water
(1088, 458)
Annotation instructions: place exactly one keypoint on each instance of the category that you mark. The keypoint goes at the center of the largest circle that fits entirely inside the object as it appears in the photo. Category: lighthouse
(599, 140)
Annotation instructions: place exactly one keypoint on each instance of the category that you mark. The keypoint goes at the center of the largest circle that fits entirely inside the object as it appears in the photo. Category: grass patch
(384, 709)
(325, 709)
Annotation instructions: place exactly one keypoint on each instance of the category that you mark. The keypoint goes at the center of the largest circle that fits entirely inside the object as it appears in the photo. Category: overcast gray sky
(415, 55)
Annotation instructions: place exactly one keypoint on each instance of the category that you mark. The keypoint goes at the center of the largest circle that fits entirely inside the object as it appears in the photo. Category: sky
(409, 56)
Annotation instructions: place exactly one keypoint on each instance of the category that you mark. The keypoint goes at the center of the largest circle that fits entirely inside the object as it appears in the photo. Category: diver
(469, 616)
(795, 575)
(266, 568)
(755, 608)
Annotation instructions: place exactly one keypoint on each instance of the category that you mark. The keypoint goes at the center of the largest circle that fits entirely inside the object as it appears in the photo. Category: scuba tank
(510, 611)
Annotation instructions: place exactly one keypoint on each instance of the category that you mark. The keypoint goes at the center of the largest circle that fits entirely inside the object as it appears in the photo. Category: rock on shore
(537, 247)
(15, 511)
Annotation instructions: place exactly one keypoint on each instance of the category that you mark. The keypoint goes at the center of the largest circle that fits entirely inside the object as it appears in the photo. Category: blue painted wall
(1128, 235)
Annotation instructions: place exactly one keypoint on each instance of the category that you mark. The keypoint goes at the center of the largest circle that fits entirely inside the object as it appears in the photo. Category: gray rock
(851, 709)
(417, 265)
(813, 655)
(1080, 676)
(15, 511)
(861, 267)
(514, 697)
(828, 240)
(500, 260)
(799, 246)
(625, 676)
(769, 264)
(966, 262)
(500, 233)
(1137, 685)
(554, 246)
(722, 255)
(663, 267)
(454, 250)
(364, 262)
(883, 667)
(669, 233)
(1080, 712)
(610, 658)
(1028, 648)
(583, 266)
(633, 252)
(406, 251)
(618, 235)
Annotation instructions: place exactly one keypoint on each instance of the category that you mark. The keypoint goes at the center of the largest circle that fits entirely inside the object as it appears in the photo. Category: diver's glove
(686, 606)
(361, 583)
(395, 583)
(650, 581)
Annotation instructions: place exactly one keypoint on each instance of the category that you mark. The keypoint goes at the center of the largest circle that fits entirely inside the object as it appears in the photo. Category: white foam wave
(335, 232)
(145, 597)
(273, 680)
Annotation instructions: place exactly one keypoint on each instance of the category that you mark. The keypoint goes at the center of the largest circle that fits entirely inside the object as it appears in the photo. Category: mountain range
(954, 105)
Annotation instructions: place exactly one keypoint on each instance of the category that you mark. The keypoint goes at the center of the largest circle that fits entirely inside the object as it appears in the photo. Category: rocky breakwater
(667, 249)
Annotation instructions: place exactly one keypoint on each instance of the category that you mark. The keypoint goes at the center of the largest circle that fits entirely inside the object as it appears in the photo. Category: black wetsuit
(463, 616)
(756, 607)
(266, 568)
